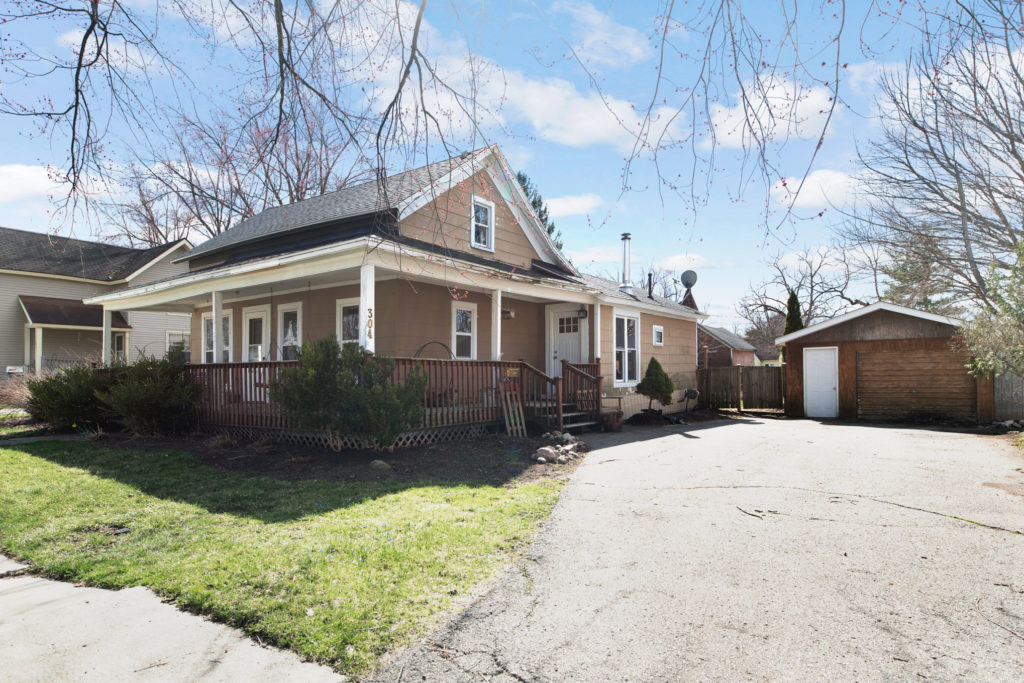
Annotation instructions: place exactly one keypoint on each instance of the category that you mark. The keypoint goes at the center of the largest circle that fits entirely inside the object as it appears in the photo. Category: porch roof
(44, 311)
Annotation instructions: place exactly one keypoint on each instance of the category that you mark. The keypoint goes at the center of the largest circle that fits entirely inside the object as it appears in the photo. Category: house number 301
(369, 323)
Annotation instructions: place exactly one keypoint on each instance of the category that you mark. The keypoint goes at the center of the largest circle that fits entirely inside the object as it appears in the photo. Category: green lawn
(339, 572)
(10, 431)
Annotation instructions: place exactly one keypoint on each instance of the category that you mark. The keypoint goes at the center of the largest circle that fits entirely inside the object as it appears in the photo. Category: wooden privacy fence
(748, 388)
(1009, 397)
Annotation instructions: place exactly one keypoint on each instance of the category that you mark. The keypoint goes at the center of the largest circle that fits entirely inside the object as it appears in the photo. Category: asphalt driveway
(760, 550)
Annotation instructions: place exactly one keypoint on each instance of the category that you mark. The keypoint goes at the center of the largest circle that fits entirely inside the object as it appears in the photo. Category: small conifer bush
(656, 384)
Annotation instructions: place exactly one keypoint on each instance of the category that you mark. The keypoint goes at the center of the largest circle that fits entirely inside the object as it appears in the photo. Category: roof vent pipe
(650, 285)
(625, 262)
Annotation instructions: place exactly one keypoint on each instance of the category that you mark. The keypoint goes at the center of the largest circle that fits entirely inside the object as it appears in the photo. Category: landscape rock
(541, 460)
(568, 438)
(380, 466)
(562, 460)
(546, 452)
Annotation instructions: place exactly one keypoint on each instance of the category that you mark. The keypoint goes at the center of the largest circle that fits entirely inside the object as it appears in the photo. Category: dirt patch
(492, 460)
(1012, 489)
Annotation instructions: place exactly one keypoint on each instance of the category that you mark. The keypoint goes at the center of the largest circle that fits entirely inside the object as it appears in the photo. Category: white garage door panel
(821, 382)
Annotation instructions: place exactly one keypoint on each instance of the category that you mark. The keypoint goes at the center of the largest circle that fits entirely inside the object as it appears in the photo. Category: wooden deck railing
(582, 389)
(457, 392)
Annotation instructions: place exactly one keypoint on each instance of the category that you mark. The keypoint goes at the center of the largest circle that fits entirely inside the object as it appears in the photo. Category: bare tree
(944, 180)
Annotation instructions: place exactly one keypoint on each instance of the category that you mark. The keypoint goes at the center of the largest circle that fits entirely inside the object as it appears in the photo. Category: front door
(567, 343)
(821, 382)
(256, 328)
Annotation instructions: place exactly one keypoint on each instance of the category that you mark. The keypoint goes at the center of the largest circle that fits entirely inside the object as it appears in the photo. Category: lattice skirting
(419, 437)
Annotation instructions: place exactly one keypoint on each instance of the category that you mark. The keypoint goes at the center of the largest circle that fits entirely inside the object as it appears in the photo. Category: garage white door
(821, 382)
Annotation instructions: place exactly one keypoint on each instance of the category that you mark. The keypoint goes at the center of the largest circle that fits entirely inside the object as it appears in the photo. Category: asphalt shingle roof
(35, 252)
(611, 289)
(728, 338)
(45, 310)
(348, 202)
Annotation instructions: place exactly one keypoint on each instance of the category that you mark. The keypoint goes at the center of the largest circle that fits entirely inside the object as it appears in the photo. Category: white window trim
(655, 329)
(474, 327)
(252, 312)
(632, 315)
(229, 314)
(472, 224)
(167, 339)
(281, 310)
(338, 305)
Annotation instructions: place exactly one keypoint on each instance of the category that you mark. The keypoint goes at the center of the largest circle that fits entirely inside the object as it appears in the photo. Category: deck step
(578, 425)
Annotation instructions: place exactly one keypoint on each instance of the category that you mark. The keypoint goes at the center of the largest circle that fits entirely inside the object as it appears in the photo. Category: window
(225, 339)
(464, 330)
(347, 321)
(119, 343)
(568, 325)
(658, 335)
(181, 341)
(289, 331)
(627, 350)
(482, 224)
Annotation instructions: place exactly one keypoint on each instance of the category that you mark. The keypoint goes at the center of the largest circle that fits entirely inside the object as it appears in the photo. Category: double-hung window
(180, 341)
(225, 339)
(347, 320)
(627, 350)
(289, 330)
(464, 330)
(481, 229)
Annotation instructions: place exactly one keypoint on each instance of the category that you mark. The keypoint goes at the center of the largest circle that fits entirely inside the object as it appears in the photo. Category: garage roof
(879, 306)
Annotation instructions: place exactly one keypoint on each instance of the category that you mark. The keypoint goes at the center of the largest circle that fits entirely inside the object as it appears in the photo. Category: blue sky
(561, 87)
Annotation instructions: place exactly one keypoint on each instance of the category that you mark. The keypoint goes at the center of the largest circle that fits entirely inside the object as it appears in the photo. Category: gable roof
(41, 253)
(726, 337)
(610, 290)
(872, 308)
(401, 192)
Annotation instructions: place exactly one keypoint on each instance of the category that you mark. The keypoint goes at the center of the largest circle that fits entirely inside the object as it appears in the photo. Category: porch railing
(582, 389)
(457, 392)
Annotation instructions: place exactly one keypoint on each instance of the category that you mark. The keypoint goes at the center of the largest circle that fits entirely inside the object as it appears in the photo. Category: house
(717, 347)
(768, 357)
(446, 264)
(883, 362)
(43, 320)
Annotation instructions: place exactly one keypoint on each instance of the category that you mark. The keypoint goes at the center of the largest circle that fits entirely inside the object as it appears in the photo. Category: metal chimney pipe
(650, 285)
(625, 260)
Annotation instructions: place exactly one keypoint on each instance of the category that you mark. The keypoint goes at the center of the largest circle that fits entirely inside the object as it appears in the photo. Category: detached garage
(882, 362)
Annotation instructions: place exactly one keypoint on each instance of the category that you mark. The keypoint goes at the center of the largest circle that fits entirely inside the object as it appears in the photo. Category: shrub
(153, 396)
(342, 391)
(67, 399)
(14, 392)
(656, 384)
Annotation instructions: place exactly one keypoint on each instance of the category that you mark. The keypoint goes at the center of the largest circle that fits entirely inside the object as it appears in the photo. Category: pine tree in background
(656, 384)
(794, 321)
(540, 207)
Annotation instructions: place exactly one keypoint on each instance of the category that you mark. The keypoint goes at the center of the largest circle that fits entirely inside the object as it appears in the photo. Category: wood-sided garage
(883, 362)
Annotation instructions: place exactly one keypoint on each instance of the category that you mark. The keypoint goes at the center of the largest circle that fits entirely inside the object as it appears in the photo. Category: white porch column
(28, 346)
(597, 332)
(39, 351)
(217, 300)
(367, 296)
(108, 322)
(496, 324)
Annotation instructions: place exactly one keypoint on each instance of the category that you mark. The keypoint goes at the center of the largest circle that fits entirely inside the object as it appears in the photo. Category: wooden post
(218, 329)
(367, 312)
(39, 351)
(108, 322)
(28, 346)
(596, 351)
(558, 398)
(496, 324)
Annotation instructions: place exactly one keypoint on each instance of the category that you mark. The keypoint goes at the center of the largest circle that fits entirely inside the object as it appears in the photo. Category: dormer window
(481, 230)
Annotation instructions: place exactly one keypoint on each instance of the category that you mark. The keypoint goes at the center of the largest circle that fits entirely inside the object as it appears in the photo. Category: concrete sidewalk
(54, 631)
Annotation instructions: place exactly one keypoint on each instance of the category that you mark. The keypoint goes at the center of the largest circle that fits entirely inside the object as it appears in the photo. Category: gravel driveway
(760, 550)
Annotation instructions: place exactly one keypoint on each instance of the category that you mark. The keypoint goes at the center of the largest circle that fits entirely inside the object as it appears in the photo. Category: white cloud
(681, 262)
(822, 189)
(607, 254)
(599, 39)
(777, 109)
(20, 181)
(573, 205)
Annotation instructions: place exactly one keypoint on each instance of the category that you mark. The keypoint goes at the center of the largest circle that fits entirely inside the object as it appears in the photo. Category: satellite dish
(688, 278)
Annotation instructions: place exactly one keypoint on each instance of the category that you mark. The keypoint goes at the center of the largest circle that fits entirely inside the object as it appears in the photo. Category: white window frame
(253, 312)
(188, 347)
(281, 310)
(635, 317)
(229, 314)
(339, 304)
(473, 327)
(472, 224)
(655, 331)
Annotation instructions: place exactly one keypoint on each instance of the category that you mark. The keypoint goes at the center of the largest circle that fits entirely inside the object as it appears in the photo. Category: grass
(339, 572)
(10, 431)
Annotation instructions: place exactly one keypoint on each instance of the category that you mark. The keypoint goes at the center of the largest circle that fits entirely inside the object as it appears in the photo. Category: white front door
(821, 382)
(567, 343)
(256, 331)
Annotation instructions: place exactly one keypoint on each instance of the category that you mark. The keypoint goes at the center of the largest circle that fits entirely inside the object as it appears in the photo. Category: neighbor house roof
(53, 312)
(728, 338)
(36, 252)
(872, 308)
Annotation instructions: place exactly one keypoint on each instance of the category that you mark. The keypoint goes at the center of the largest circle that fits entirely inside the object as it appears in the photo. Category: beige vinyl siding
(12, 318)
(677, 357)
(446, 222)
(161, 269)
(149, 330)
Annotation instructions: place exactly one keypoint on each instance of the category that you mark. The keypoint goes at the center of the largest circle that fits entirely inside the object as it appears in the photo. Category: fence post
(558, 398)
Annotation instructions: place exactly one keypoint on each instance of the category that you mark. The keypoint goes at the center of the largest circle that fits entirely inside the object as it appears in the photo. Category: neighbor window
(482, 228)
(627, 350)
(464, 330)
(658, 335)
(182, 341)
(289, 330)
(347, 321)
(225, 339)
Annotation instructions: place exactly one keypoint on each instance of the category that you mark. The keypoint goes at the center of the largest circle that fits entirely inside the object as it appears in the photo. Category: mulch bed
(490, 460)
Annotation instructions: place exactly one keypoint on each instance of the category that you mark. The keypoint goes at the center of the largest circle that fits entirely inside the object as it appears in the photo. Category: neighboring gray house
(43, 279)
